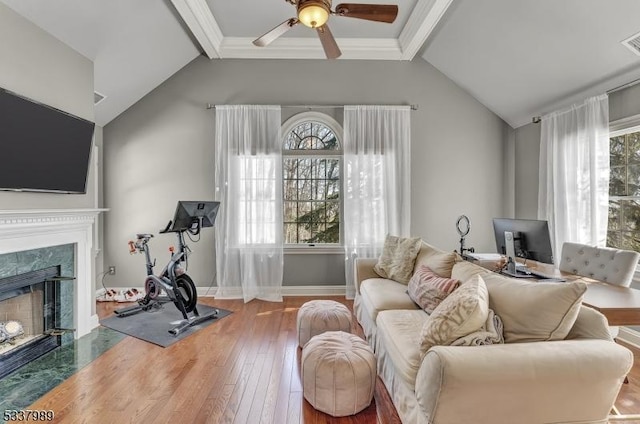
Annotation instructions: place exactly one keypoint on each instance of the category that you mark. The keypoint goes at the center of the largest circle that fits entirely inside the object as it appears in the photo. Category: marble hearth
(29, 239)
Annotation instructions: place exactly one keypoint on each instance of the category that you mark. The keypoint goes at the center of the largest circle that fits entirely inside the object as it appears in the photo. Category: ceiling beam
(423, 19)
(198, 17)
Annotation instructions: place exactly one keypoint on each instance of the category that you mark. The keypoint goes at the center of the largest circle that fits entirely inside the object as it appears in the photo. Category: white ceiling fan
(315, 14)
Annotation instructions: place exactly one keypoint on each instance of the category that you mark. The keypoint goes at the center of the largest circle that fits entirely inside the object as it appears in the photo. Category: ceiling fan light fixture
(314, 13)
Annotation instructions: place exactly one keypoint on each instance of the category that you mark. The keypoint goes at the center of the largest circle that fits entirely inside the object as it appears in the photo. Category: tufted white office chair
(613, 266)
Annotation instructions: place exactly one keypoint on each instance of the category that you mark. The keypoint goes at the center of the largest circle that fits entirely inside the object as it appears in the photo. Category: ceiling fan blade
(270, 36)
(371, 12)
(329, 44)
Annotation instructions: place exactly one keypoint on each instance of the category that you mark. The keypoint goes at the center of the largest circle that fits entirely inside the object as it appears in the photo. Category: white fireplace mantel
(37, 228)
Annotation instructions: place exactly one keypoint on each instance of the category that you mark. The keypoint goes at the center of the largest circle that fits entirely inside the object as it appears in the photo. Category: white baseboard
(630, 336)
(314, 290)
(327, 290)
(206, 291)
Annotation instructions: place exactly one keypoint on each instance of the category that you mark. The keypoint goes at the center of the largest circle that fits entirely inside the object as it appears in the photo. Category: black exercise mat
(153, 326)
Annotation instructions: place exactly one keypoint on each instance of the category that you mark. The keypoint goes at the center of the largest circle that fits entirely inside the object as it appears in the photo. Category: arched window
(312, 168)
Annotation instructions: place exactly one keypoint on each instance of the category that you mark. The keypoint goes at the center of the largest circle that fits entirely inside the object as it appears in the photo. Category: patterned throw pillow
(428, 289)
(398, 258)
(461, 313)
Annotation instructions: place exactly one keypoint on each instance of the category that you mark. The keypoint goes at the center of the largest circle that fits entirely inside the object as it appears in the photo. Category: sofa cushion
(381, 294)
(533, 311)
(461, 313)
(428, 289)
(590, 324)
(463, 270)
(398, 258)
(440, 262)
(399, 333)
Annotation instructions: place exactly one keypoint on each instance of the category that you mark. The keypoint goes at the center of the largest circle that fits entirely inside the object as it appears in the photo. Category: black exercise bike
(190, 217)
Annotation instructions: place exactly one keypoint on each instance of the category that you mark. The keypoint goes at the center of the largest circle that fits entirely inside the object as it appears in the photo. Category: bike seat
(144, 236)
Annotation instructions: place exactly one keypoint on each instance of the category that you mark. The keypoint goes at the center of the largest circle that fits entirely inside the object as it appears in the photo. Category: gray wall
(161, 150)
(527, 163)
(38, 66)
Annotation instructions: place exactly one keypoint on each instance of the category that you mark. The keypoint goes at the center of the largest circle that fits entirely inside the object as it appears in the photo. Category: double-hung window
(624, 188)
(312, 167)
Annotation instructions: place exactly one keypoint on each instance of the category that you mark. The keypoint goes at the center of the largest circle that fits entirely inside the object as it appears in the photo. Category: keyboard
(524, 272)
(542, 276)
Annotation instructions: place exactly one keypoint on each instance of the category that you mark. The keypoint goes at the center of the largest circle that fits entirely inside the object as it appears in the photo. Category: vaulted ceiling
(520, 58)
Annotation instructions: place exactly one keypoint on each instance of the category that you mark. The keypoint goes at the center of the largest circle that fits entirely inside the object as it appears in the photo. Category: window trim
(336, 128)
(617, 128)
(624, 126)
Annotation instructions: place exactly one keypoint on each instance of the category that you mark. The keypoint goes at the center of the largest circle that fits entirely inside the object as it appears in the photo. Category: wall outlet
(112, 270)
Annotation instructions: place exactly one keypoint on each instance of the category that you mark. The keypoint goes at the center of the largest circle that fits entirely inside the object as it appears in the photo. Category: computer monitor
(531, 238)
(193, 215)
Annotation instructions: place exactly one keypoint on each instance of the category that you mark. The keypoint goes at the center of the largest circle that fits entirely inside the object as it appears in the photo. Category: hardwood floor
(628, 401)
(242, 369)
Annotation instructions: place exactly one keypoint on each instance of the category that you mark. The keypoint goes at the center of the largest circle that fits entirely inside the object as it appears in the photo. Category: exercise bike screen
(188, 212)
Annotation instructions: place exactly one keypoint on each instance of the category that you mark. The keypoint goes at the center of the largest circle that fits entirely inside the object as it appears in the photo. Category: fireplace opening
(29, 317)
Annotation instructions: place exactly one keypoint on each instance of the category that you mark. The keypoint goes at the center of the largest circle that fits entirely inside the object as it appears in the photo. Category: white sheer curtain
(248, 183)
(377, 172)
(573, 193)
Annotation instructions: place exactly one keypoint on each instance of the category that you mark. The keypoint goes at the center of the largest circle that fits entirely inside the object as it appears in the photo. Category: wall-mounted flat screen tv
(42, 148)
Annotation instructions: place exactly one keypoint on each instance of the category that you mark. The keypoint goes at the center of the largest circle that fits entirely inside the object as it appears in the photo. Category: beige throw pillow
(428, 289)
(464, 270)
(398, 258)
(463, 312)
(532, 311)
(440, 262)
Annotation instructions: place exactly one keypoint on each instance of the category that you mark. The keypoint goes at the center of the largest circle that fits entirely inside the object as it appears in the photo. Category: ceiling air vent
(97, 97)
(633, 43)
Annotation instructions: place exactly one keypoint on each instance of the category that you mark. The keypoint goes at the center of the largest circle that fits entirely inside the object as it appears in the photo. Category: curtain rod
(413, 107)
(537, 119)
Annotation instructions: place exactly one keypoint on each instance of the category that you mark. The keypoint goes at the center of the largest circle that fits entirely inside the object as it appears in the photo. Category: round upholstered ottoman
(317, 316)
(338, 373)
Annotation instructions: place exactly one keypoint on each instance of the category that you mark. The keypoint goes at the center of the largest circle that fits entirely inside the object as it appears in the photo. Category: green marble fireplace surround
(17, 263)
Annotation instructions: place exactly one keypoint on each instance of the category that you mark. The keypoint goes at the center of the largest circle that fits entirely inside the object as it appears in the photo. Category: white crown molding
(310, 48)
(423, 19)
(198, 17)
(200, 20)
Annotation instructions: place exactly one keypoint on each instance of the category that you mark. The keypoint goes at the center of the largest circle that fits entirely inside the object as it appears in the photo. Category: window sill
(314, 250)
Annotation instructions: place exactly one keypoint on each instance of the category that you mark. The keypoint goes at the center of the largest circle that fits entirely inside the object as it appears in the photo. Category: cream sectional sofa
(574, 379)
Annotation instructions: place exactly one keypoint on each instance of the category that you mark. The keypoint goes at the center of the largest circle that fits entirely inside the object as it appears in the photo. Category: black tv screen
(43, 148)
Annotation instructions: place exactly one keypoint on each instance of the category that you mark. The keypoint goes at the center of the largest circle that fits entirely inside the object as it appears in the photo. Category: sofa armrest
(364, 270)
(556, 381)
